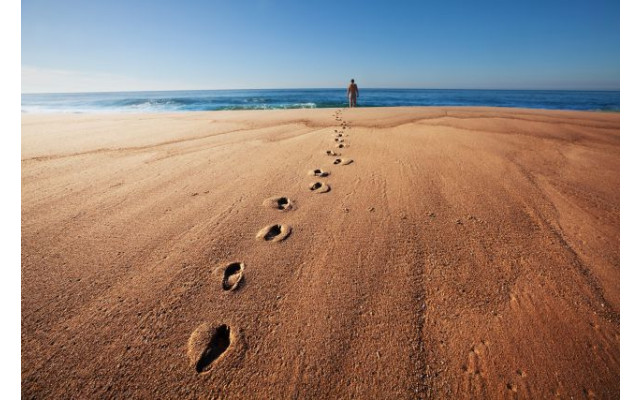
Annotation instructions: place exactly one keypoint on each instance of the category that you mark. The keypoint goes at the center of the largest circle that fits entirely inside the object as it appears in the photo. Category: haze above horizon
(76, 46)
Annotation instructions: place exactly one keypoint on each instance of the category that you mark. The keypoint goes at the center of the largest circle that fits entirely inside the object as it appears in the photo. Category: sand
(452, 253)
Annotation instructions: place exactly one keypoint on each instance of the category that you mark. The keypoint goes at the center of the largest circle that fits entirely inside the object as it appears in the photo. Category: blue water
(206, 100)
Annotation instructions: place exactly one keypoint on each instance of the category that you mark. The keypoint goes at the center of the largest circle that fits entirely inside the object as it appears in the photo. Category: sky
(94, 46)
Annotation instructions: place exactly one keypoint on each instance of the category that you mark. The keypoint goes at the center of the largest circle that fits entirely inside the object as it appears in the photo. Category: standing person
(353, 94)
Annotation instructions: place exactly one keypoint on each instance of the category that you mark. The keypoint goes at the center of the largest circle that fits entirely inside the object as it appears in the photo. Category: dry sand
(463, 253)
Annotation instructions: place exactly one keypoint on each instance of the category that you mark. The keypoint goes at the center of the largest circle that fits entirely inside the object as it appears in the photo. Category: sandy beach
(450, 253)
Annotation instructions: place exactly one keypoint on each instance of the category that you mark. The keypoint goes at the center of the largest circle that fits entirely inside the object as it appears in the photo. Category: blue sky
(70, 45)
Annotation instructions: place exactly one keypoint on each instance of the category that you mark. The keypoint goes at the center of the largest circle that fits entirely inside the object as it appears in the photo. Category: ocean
(211, 100)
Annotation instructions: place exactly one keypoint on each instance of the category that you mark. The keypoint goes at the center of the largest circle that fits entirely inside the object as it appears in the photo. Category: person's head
(352, 81)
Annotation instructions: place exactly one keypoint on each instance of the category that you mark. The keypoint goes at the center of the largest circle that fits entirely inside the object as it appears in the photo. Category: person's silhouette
(353, 94)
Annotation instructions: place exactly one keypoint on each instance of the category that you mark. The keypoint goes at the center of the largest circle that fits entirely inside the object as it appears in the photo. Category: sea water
(211, 100)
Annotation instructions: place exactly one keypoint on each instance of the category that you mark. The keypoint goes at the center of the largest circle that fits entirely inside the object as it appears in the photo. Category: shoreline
(23, 113)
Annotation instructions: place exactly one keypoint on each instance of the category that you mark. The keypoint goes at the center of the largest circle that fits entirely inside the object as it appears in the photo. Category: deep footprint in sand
(232, 276)
(207, 344)
(339, 161)
(279, 203)
(274, 233)
(340, 146)
(332, 153)
(319, 172)
(319, 187)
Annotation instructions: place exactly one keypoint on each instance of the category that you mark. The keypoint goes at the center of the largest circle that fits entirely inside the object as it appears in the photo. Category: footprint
(207, 344)
(274, 233)
(476, 370)
(232, 276)
(279, 203)
(340, 146)
(319, 187)
(339, 161)
(319, 172)
(332, 153)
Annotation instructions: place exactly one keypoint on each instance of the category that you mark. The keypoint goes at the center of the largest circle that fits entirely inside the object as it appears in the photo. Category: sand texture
(440, 253)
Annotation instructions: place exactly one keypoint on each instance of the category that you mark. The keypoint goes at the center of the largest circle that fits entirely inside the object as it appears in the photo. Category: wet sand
(452, 253)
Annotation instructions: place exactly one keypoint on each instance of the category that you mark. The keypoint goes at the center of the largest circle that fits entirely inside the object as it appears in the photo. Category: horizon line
(316, 88)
